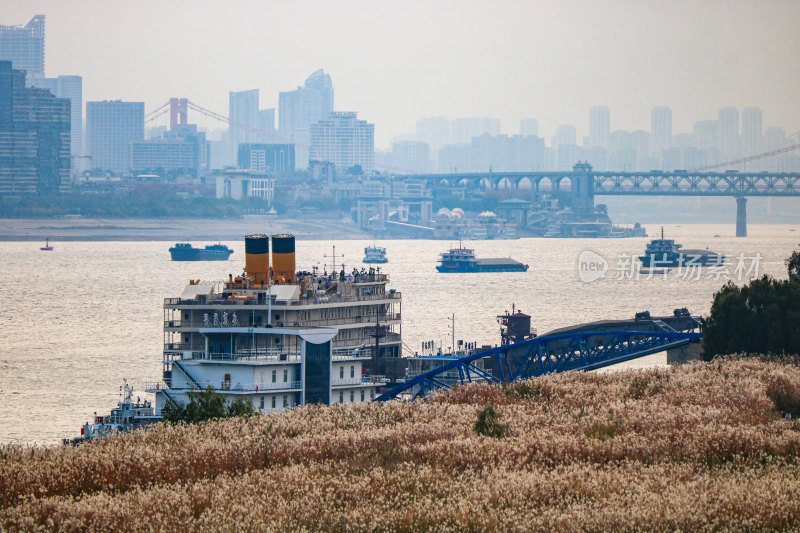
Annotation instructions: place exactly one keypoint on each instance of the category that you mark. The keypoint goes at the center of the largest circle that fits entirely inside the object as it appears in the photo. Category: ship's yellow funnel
(256, 257)
(283, 263)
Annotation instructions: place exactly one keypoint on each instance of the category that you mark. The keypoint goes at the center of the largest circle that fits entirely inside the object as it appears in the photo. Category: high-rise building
(71, 88)
(299, 109)
(34, 138)
(409, 157)
(182, 149)
(321, 82)
(528, 127)
(24, 47)
(435, 131)
(243, 116)
(345, 141)
(660, 130)
(275, 159)
(266, 125)
(565, 135)
(752, 131)
(728, 133)
(111, 126)
(463, 130)
(599, 126)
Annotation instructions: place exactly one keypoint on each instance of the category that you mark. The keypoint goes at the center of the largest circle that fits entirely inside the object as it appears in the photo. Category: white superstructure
(307, 337)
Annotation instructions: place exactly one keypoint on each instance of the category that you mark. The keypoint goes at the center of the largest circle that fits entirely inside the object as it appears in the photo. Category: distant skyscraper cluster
(732, 136)
(304, 132)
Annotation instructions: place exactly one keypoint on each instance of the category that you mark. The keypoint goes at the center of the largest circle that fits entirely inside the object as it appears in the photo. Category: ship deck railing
(268, 355)
(222, 386)
(388, 338)
(361, 319)
(363, 380)
(252, 355)
(328, 298)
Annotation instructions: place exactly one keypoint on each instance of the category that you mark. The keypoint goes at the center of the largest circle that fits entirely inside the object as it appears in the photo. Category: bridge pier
(741, 216)
(685, 354)
(582, 189)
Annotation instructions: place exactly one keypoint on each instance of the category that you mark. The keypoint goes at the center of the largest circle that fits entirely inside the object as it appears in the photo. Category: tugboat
(183, 251)
(665, 253)
(46, 247)
(463, 260)
(375, 254)
(127, 416)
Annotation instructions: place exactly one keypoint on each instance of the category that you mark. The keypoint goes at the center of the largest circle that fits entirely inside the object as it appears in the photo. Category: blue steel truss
(542, 355)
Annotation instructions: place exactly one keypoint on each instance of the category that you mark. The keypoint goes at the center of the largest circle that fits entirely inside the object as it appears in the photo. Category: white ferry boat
(375, 254)
(279, 337)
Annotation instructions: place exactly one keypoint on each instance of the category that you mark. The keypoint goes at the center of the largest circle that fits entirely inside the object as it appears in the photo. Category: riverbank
(705, 446)
(174, 229)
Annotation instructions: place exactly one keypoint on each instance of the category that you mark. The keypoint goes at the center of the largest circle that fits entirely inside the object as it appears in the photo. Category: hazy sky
(395, 62)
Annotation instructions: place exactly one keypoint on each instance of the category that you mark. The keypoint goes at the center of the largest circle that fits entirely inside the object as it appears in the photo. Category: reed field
(702, 447)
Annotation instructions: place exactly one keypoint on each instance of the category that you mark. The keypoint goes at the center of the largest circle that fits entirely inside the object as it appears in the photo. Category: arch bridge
(585, 183)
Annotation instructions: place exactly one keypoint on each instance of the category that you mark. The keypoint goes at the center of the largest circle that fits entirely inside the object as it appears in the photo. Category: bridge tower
(582, 193)
(177, 112)
(741, 216)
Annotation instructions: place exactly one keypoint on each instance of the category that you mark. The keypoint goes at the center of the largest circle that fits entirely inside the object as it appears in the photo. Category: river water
(76, 321)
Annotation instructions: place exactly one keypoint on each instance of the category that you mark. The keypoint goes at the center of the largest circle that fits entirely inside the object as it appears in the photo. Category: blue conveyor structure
(582, 350)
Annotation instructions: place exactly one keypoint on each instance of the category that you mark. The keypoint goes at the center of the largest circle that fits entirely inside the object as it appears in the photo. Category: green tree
(793, 266)
(760, 317)
(205, 405)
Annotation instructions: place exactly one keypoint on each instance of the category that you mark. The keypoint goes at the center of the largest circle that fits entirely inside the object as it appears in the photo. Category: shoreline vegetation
(705, 446)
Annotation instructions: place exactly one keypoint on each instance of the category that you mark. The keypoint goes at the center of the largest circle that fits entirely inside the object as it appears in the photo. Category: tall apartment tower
(463, 130)
(71, 88)
(435, 131)
(599, 126)
(344, 140)
(24, 47)
(34, 138)
(728, 133)
(244, 118)
(529, 127)
(565, 135)
(321, 82)
(111, 126)
(752, 131)
(660, 130)
(299, 109)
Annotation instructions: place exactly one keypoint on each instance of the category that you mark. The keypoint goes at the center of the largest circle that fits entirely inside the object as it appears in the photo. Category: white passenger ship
(375, 254)
(303, 338)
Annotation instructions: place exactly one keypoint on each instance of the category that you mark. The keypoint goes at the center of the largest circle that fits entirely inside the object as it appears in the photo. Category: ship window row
(274, 402)
(353, 396)
(352, 371)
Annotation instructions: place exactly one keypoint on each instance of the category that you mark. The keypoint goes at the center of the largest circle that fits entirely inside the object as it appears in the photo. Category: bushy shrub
(600, 431)
(785, 395)
(488, 425)
(205, 405)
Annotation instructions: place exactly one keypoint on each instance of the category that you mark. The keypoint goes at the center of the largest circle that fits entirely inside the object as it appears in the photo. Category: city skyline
(471, 60)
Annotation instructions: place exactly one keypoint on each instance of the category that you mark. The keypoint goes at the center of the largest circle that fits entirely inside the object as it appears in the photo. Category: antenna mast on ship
(333, 270)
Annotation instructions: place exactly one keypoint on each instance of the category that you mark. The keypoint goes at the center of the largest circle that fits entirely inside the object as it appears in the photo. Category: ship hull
(681, 260)
(482, 267)
(200, 255)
